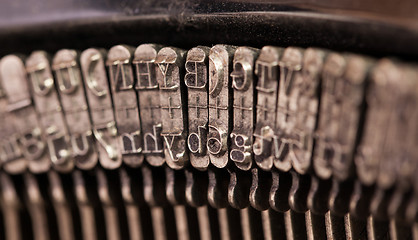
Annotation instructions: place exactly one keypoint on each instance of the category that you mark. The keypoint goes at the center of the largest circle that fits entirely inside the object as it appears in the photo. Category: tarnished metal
(24, 145)
(196, 188)
(71, 90)
(411, 213)
(398, 205)
(267, 70)
(119, 60)
(99, 98)
(217, 188)
(379, 204)
(333, 137)
(196, 81)
(173, 106)
(48, 107)
(220, 104)
(355, 228)
(297, 108)
(149, 102)
(243, 84)
(290, 66)
(229, 223)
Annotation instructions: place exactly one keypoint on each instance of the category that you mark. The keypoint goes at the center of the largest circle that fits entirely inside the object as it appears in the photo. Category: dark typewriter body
(208, 119)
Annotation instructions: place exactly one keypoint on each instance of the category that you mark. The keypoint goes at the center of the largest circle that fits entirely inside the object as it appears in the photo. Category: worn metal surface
(283, 143)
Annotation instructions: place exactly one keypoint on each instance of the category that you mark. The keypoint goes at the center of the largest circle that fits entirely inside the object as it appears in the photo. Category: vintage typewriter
(208, 119)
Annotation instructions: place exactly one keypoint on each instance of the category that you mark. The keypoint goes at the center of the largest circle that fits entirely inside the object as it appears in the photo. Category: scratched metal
(173, 105)
(220, 104)
(196, 80)
(267, 70)
(99, 98)
(119, 59)
(243, 84)
(74, 104)
(290, 67)
(149, 102)
(48, 107)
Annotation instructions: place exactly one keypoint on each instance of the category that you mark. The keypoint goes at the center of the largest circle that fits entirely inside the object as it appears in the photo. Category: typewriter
(207, 120)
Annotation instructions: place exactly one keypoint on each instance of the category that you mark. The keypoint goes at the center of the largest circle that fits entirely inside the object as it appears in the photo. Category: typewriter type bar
(170, 62)
(24, 145)
(149, 102)
(218, 143)
(71, 90)
(119, 62)
(99, 98)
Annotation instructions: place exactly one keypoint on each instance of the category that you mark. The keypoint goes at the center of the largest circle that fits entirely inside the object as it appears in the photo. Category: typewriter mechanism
(208, 120)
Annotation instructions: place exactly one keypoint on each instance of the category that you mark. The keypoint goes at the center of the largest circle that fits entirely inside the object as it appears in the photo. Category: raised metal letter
(243, 86)
(100, 105)
(305, 101)
(196, 80)
(266, 68)
(74, 104)
(48, 107)
(385, 154)
(149, 102)
(290, 67)
(220, 102)
(126, 104)
(174, 122)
